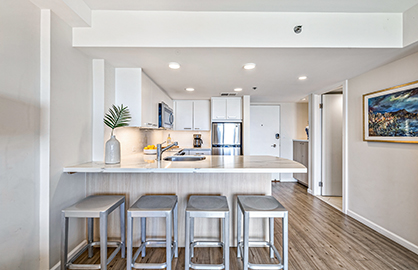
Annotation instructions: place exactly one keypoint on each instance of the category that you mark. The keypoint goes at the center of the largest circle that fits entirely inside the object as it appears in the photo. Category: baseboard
(310, 191)
(70, 254)
(401, 241)
(290, 180)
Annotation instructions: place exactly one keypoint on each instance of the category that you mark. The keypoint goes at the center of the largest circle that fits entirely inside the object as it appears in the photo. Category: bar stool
(261, 207)
(207, 207)
(96, 206)
(153, 206)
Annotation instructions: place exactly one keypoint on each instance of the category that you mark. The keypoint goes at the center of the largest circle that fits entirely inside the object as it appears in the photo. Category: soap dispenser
(168, 139)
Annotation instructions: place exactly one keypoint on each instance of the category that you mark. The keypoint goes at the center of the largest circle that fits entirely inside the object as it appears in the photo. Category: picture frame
(391, 115)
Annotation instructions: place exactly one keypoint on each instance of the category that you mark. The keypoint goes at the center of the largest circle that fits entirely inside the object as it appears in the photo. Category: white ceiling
(211, 71)
(214, 70)
(256, 5)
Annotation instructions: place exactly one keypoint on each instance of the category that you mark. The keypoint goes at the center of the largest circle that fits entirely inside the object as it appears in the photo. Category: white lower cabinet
(300, 154)
(200, 152)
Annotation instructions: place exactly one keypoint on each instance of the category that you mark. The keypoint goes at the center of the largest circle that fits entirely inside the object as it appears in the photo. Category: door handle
(273, 145)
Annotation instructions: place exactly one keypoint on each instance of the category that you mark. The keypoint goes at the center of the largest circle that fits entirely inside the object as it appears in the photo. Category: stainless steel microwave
(165, 116)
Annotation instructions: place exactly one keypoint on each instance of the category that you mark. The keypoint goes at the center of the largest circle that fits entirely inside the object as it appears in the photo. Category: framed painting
(391, 115)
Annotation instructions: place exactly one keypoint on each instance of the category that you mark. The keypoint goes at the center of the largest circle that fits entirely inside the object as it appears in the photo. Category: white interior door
(332, 116)
(264, 126)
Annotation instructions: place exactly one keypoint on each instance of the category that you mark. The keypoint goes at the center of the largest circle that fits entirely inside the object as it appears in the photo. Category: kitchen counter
(212, 164)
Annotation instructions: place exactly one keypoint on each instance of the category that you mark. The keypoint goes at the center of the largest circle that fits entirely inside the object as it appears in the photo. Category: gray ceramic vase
(112, 151)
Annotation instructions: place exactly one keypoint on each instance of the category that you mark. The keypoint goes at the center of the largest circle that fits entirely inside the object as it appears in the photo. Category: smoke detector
(297, 29)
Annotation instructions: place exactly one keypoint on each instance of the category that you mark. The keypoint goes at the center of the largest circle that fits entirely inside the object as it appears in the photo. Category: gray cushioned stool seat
(153, 206)
(255, 206)
(95, 206)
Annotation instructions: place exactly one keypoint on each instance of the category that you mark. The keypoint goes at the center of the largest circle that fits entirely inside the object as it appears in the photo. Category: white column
(98, 109)
(44, 144)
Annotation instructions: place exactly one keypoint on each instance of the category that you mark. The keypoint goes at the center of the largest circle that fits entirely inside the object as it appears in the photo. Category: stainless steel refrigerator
(226, 139)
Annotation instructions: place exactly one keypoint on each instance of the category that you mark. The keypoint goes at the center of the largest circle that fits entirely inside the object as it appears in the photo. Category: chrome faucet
(161, 150)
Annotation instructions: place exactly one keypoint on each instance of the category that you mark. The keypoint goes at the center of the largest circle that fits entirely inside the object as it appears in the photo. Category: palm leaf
(118, 116)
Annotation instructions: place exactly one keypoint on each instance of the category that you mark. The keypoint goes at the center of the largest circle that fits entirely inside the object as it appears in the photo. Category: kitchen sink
(184, 158)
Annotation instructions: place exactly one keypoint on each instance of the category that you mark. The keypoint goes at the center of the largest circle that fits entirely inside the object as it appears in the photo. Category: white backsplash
(133, 140)
(185, 138)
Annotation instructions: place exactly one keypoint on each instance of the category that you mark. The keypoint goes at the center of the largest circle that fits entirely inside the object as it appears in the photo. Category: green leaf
(118, 116)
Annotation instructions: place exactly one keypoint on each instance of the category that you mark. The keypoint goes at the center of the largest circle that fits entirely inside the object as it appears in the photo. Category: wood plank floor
(320, 237)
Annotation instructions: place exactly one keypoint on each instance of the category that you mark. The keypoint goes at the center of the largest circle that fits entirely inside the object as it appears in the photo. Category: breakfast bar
(228, 176)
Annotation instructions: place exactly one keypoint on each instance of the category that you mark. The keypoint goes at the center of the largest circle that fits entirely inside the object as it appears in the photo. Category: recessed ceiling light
(238, 89)
(249, 66)
(301, 78)
(190, 89)
(174, 65)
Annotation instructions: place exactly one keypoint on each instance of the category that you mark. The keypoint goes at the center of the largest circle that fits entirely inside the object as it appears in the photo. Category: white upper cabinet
(218, 108)
(183, 115)
(201, 114)
(192, 115)
(233, 108)
(226, 108)
(137, 91)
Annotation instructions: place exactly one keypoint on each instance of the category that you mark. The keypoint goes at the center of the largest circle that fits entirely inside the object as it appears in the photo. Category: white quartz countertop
(141, 163)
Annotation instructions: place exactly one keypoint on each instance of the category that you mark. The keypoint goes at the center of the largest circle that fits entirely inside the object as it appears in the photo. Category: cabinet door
(201, 115)
(183, 115)
(233, 108)
(201, 152)
(147, 106)
(297, 152)
(218, 108)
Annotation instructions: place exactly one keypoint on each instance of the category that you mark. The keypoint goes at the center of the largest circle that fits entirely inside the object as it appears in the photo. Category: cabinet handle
(196, 128)
(187, 128)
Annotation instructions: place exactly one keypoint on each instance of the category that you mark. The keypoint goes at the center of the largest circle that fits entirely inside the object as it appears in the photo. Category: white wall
(120, 28)
(19, 135)
(293, 120)
(382, 177)
(70, 130)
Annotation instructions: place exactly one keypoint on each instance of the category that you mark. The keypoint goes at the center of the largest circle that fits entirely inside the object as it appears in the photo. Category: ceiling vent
(228, 94)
